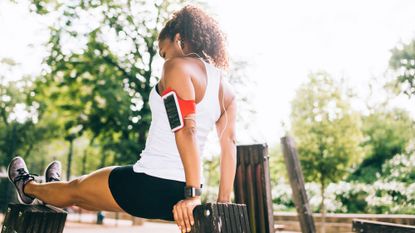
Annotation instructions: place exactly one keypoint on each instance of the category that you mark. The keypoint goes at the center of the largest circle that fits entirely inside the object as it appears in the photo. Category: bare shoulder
(175, 62)
(176, 75)
(174, 67)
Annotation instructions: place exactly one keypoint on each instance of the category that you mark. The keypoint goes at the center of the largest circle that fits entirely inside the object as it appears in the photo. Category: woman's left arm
(176, 77)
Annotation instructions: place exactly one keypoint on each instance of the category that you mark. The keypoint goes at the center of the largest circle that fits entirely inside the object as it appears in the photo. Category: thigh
(94, 191)
(145, 196)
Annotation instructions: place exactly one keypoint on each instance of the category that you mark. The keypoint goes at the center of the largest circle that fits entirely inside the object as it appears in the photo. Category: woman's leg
(89, 192)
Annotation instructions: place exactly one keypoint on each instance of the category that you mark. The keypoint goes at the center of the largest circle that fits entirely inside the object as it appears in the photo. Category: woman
(154, 187)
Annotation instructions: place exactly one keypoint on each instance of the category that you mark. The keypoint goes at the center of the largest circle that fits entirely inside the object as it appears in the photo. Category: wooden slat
(60, 218)
(222, 209)
(44, 218)
(241, 217)
(227, 216)
(251, 199)
(24, 221)
(216, 218)
(297, 184)
(33, 219)
(9, 220)
(55, 221)
(267, 194)
(245, 209)
(51, 219)
(232, 220)
(239, 184)
(198, 217)
(365, 226)
(222, 218)
(254, 183)
(237, 219)
(261, 211)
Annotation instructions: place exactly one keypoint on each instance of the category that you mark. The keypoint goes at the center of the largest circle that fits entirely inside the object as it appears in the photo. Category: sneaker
(53, 172)
(19, 176)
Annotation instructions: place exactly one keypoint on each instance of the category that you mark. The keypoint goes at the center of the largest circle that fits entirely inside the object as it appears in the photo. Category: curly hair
(201, 31)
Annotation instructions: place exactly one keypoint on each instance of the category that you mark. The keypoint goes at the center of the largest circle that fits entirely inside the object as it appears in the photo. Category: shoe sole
(17, 190)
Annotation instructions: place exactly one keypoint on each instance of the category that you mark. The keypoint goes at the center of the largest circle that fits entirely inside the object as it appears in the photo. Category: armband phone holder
(171, 103)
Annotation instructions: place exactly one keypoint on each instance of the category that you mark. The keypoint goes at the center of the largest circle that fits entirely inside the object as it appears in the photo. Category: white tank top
(161, 157)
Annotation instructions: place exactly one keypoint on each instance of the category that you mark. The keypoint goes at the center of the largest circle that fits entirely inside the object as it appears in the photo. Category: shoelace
(23, 175)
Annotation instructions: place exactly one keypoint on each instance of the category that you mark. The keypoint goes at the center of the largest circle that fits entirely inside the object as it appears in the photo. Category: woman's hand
(224, 200)
(183, 213)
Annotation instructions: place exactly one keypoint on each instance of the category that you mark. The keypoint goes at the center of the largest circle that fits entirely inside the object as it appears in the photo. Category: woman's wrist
(195, 198)
(224, 198)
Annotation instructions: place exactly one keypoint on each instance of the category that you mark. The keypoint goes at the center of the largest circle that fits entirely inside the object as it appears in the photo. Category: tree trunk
(103, 159)
(84, 157)
(323, 207)
(70, 154)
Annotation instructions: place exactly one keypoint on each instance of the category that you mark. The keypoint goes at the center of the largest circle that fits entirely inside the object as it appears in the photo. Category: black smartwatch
(192, 191)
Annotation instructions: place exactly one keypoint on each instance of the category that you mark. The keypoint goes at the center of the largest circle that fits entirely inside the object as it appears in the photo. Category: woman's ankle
(28, 188)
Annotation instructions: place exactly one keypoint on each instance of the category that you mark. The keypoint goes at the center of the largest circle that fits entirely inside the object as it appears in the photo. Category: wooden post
(295, 175)
(33, 218)
(220, 218)
(365, 226)
(253, 186)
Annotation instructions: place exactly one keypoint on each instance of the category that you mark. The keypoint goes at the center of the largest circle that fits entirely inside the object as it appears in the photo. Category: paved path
(124, 227)
(109, 227)
(147, 227)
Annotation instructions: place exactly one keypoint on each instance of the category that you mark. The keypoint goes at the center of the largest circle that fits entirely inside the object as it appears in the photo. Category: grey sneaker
(19, 176)
(53, 172)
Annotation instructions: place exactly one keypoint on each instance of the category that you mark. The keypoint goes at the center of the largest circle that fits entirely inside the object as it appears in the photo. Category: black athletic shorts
(145, 196)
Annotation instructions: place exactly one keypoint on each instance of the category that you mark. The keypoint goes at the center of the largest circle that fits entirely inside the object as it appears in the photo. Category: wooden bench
(252, 186)
(220, 217)
(33, 218)
(366, 226)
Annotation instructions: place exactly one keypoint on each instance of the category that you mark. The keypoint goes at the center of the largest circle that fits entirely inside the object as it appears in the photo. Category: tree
(387, 133)
(239, 79)
(403, 61)
(19, 114)
(327, 131)
(96, 85)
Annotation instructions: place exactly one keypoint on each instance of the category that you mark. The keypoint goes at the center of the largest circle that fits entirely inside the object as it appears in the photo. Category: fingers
(183, 216)
(186, 218)
(179, 217)
(190, 215)
(176, 216)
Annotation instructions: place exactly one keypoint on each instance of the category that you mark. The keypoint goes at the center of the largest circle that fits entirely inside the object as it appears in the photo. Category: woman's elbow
(228, 139)
(188, 131)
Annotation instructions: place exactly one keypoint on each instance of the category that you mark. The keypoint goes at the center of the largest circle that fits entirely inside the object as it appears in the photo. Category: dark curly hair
(201, 31)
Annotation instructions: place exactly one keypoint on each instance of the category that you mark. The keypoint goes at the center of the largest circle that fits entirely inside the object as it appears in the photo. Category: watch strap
(192, 191)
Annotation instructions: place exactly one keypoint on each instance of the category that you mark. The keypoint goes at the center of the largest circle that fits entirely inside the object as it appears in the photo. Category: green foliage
(381, 197)
(401, 168)
(277, 169)
(326, 129)
(99, 73)
(387, 133)
(240, 78)
(403, 61)
(19, 114)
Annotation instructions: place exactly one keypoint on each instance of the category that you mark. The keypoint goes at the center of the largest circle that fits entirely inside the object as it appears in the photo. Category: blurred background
(338, 76)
